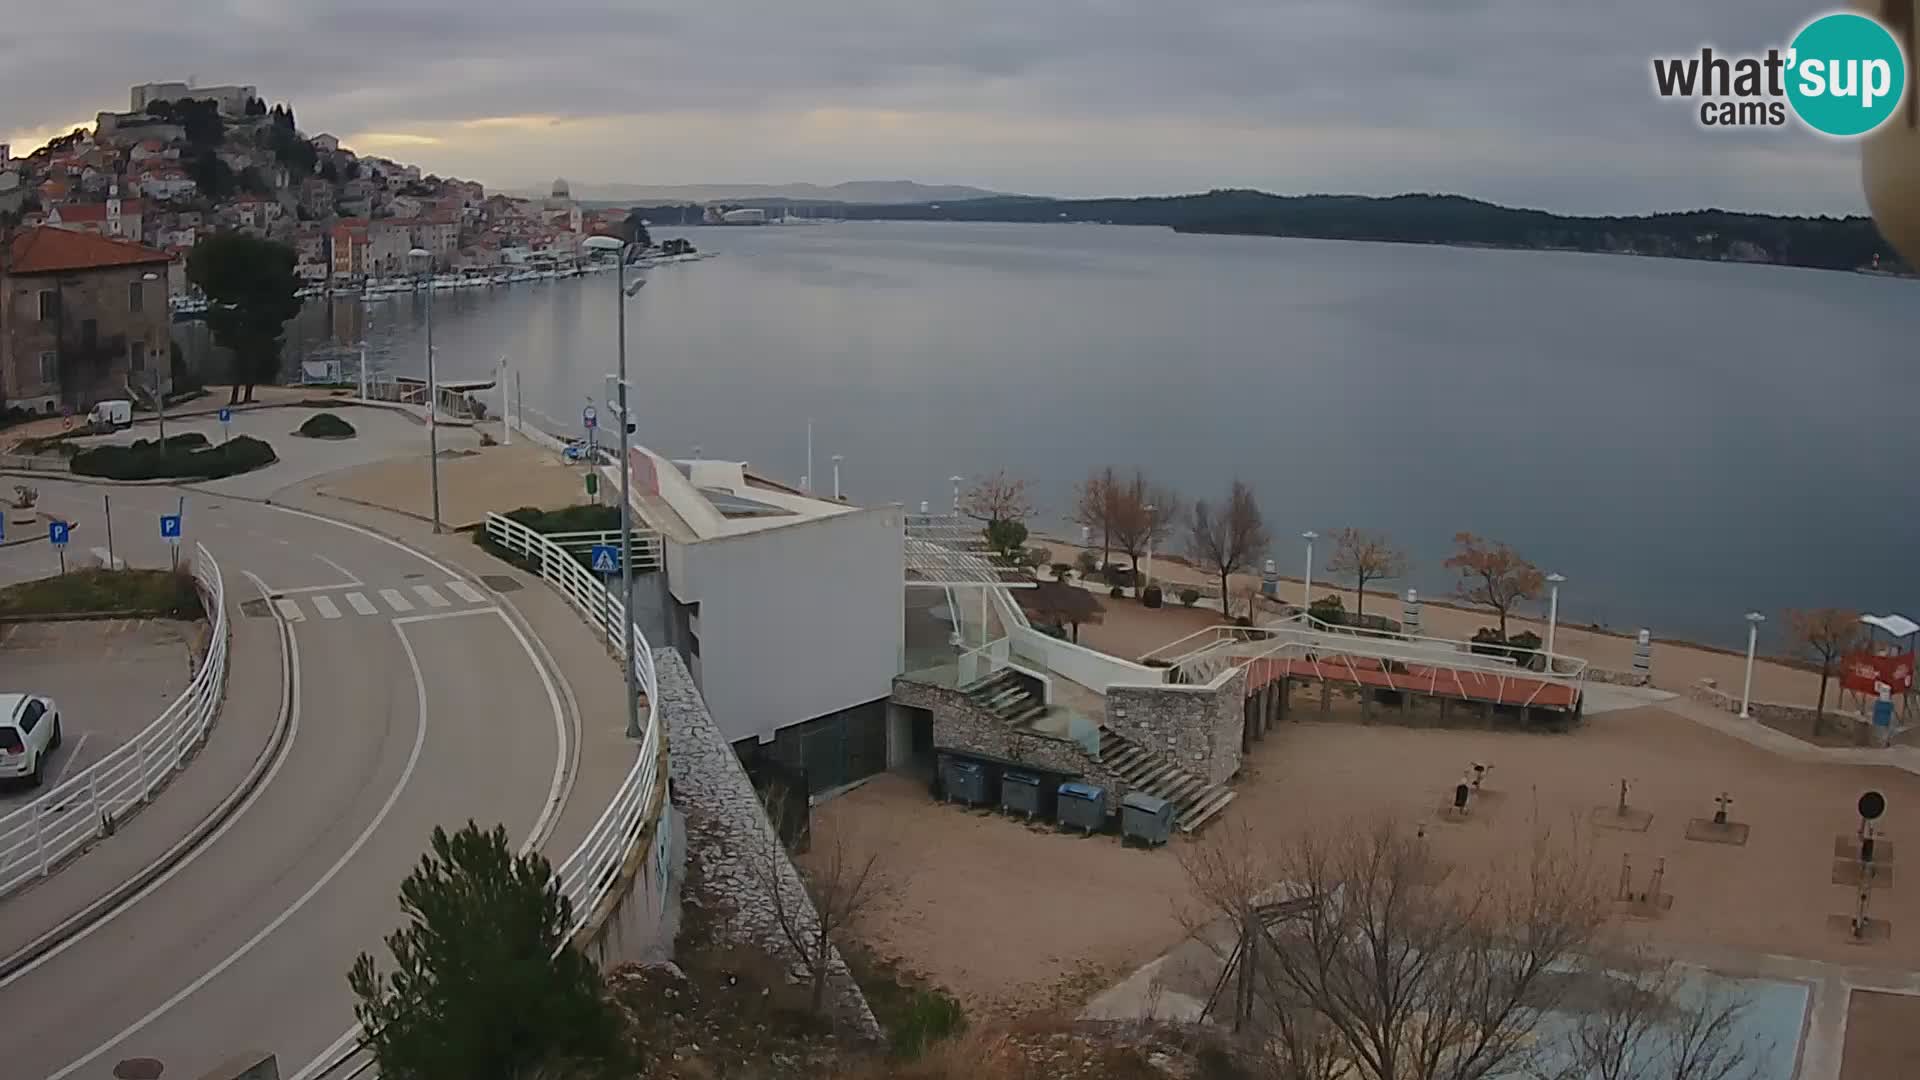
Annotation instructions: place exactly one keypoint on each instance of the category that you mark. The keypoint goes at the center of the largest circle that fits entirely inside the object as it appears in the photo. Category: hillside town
(183, 162)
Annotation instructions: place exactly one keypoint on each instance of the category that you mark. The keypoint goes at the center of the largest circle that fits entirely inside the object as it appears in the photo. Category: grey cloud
(1519, 72)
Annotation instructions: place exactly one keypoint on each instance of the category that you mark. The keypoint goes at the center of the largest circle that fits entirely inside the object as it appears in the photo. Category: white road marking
(112, 562)
(432, 596)
(466, 592)
(344, 572)
(361, 605)
(324, 604)
(395, 600)
(290, 657)
(289, 610)
(406, 774)
(66, 763)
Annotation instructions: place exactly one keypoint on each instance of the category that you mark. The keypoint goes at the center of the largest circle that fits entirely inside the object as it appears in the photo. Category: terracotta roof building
(81, 315)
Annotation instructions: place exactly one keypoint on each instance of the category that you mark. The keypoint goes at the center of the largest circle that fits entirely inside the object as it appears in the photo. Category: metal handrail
(92, 803)
(588, 873)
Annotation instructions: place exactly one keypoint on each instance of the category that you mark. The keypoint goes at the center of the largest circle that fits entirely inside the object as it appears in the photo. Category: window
(89, 333)
(30, 716)
(136, 356)
(136, 296)
(49, 367)
(49, 305)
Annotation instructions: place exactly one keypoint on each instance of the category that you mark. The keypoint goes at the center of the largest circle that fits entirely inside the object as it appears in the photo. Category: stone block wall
(1196, 728)
(963, 725)
(728, 831)
(1623, 678)
(1708, 692)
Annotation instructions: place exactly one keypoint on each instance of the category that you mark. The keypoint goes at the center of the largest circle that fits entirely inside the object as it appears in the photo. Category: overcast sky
(1545, 104)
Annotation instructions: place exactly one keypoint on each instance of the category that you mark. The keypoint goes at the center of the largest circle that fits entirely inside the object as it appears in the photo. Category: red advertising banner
(1860, 672)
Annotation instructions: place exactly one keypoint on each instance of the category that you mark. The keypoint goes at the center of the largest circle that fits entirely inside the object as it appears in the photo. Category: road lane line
(289, 610)
(395, 600)
(387, 540)
(325, 606)
(393, 797)
(361, 605)
(432, 596)
(344, 572)
(66, 763)
(466, 592)
(290, 657)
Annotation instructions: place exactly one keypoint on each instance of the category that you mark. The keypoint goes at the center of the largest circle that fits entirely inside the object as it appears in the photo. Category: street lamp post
(423, 259)
(1553, 615)
(1306, 589)
(956, 492)
(1754, 619)
(1146, 572)
(621, 294)
(837, 459)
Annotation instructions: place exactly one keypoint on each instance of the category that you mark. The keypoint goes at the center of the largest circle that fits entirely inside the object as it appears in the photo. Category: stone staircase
(1004, 695)
(1195, 801)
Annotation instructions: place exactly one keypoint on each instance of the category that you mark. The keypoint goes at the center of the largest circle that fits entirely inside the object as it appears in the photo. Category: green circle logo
(1846, 74)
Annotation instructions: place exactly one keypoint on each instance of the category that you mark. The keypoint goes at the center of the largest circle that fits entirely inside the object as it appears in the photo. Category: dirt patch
(1883, 1035)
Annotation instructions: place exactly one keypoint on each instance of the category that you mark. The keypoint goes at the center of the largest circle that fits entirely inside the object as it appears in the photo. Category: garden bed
(181, 457)
(102, 593)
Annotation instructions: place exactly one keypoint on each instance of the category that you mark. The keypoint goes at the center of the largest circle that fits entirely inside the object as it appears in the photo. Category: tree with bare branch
(814, 906)
(1227, 539)
(1827, 634)
(1143, 516)
(1493, 575)
(1639, 1016)
(1060, 604)
(1365, 555)
(997, 497)
(1093, 506)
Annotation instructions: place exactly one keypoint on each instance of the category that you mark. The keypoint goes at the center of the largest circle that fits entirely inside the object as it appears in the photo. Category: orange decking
(1465, 684)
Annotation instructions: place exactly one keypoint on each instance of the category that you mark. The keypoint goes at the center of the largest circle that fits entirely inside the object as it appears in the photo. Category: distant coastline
(1823, 243)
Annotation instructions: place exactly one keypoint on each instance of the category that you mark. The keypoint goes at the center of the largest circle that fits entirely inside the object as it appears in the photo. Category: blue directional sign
(170, 527)
(606, 559)
(57, 533)
(226, 415)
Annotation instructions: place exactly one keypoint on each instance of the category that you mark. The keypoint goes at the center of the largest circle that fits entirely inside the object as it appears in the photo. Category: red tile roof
(50, 250)
(97, 211)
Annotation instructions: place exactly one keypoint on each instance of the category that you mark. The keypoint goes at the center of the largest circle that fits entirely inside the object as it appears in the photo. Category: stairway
(1004, 695)
(1195, 801)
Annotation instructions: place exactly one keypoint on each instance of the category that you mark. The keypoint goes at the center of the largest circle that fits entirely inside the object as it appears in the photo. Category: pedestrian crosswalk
(391, 601)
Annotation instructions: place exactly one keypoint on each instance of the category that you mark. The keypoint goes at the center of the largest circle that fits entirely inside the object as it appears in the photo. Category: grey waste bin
(1145, 818)
(967, 781)
(1020, 793)
(1083, 806)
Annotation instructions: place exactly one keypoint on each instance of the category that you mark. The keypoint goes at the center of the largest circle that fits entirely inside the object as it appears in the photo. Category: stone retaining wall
(1197, 728)
(963, 725)
(1708, 692)
(1622, 678)
(727, 830)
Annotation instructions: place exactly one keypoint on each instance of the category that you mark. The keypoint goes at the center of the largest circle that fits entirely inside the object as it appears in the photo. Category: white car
(29, 731)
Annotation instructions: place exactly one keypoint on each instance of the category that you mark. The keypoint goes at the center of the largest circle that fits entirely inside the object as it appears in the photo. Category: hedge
(181, 459)
(326, 426)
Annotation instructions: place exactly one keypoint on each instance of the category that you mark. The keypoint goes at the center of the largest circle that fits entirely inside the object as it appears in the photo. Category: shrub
(170, 593)
(1524, 647)
(1117, 592)
(1329, 609)
(326, 426)
(1063, 571)
(928, 1018)
(148, 460)
(1189, 596)
(1088, 563)
(1036, 557)
(1151, 596)
(1488, 642)
(1119, 575)
(186, 440)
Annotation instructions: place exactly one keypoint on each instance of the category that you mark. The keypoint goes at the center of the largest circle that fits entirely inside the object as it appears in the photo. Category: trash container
(1083, 806)
(968, 782)
(1145, 818)
(1020, 793)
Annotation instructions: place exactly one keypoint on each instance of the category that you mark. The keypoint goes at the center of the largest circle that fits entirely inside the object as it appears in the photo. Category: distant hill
(871, 192)
(1850, 243)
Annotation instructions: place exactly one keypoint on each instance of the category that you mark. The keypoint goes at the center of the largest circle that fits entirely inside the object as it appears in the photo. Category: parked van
(110, 416)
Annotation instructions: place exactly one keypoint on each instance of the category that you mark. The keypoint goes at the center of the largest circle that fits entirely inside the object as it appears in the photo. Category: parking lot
(110, 678)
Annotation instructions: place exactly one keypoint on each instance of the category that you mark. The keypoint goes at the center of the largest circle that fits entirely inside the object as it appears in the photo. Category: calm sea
(1685, 441)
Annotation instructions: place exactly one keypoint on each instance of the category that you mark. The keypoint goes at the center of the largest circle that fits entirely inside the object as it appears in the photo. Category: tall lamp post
(956, 493)
(1754, 619)
(1306, 589)
(1553, 615)
(622, 291)
(1146, 574)
(423, 259)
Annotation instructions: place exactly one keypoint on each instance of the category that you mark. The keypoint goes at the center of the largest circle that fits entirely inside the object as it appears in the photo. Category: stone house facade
(79, 315)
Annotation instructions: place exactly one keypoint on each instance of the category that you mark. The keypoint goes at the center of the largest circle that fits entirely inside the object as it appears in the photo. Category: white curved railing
(89, 804)
(587, 874)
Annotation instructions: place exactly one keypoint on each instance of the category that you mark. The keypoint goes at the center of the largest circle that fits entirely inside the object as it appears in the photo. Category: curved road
(415, 701)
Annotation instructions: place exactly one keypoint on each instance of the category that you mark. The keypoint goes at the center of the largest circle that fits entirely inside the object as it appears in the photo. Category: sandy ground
(472, 482)
(1019, 918)
(1883, 1036)
(1675, 666)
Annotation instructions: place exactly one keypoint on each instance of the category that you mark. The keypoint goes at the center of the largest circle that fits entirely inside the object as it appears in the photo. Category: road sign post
(58, 532)
(590, 419)
(170, 532)
(605, 561)
(226, 415)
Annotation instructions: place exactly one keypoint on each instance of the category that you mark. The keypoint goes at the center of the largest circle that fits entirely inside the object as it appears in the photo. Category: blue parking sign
(57, 533)
(226, 415)
(170, 527)
(606, 559)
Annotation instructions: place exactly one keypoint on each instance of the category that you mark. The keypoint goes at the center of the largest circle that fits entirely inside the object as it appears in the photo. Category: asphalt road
(417, 703)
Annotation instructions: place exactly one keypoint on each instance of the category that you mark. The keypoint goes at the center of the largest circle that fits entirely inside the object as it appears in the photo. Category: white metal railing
(587, 874)
(92, 802)
(646, 545)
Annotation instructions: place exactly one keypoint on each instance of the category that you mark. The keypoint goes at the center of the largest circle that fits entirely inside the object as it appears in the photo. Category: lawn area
(168, 593)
